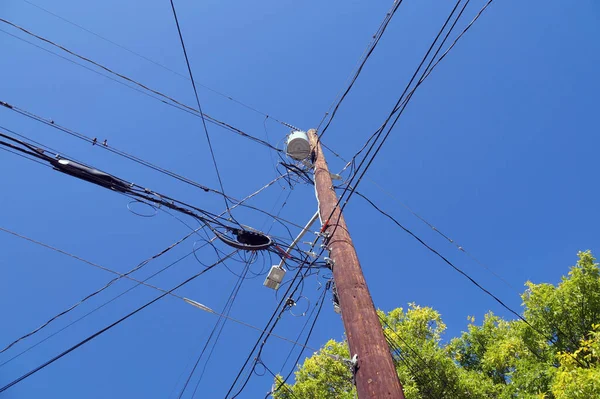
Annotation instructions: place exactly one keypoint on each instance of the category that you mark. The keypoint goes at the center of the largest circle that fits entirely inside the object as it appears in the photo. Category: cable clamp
(290, 302)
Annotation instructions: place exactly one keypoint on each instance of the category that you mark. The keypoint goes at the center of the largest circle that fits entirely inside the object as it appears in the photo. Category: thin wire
(456, 268)
(212, 153)
(368, 51)
(157, 63)
(186, 180)
(155, 94)
(226, 310)
(98, 291)
(275, 376)
(282, 383)
(106, 269)
(94, 310)
(438, 231)
(103, 330)
(26, 157)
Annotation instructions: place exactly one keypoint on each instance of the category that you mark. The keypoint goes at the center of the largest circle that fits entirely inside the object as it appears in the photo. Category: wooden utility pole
(375, 374)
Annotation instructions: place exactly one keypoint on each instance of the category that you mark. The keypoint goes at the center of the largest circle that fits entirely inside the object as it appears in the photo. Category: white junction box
(275, 277)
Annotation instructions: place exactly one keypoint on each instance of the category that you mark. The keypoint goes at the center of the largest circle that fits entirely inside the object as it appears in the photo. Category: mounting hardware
(290, 302)
(330, 262)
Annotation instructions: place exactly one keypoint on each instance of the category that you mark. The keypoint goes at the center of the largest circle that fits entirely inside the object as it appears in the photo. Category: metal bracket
(330, 262)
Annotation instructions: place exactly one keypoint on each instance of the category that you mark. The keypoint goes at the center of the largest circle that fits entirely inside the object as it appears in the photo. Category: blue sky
(497, 150)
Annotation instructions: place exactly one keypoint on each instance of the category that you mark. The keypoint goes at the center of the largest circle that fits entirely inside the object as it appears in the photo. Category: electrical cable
(98, 291)
(320, 306)
(103, 330)
(226, 310)
(147, 90)
(401, 104)
(137, 160)
(275, 314)
(484, 290)
(157, 64)
(212, 153)
(376, 38)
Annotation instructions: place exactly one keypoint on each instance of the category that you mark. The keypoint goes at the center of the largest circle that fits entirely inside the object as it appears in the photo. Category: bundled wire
(239, 238)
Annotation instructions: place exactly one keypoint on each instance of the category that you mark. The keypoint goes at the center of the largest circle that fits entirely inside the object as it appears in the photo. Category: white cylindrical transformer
(298, 146)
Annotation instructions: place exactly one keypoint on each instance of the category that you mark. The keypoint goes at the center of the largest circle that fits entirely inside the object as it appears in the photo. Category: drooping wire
(403, 101)
(95, 309)
(212, 153)
(275, 317)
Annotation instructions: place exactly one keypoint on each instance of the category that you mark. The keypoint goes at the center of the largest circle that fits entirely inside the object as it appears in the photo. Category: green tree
(554, 355)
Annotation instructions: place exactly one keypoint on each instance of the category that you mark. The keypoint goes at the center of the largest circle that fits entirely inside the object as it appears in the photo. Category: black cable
(275, 376)
(137, 160)
(157, 63)
(305, 342)
(401, 105)
(212, 154)
(370, 49)
(163, 97)
(225, 311)
(498, 300)
(277, 313)
(95, 309)
(96, 292)
(100, 332)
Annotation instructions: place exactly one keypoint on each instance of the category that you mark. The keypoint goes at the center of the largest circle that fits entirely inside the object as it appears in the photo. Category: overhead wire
(143, 57)
(272, 322)
(210, 147)
(107, 328)
(155, 94)
(463, 273)
(403, 101)
(318, 307)
(126, 275)
(364, 58)
(138, 160)
(94, 293)
(220, 326)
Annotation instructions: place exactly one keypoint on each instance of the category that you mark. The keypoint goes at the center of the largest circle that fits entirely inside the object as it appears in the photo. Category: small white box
(275, 277)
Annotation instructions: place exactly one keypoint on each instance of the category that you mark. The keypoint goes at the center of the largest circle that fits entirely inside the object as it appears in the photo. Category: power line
(318, 307)
(456, 268)
(212, 153)
(368, 51)
(98, 291)
(155, 94)
(401, 105)
(138, 160)
(159, 64)
(103, 330)
(226, 311)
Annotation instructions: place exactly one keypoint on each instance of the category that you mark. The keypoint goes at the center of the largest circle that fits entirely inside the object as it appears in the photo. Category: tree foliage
(554, 355)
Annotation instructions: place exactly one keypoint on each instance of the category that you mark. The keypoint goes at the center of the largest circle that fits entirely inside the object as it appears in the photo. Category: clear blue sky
(498, 149)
